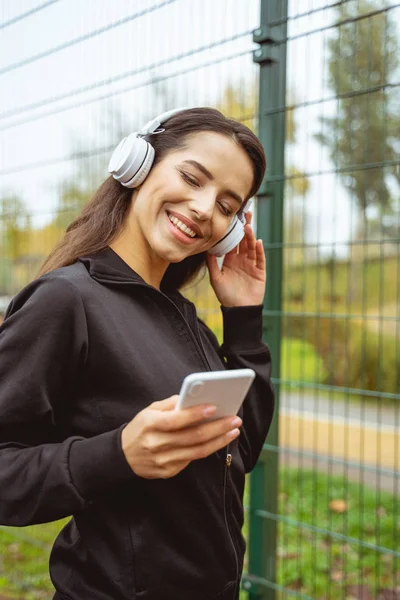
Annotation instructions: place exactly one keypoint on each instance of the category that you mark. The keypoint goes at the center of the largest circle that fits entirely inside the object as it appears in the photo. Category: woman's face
(188, 200)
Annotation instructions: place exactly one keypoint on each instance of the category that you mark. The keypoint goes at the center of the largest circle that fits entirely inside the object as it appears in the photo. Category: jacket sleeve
(243, 348)
(43, 344)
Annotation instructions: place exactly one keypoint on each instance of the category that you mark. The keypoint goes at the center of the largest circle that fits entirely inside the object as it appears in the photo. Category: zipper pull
(228, 460)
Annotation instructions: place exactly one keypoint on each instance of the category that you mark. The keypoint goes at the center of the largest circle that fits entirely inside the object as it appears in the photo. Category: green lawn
(311, 563)
(314, 563)
(24, 558)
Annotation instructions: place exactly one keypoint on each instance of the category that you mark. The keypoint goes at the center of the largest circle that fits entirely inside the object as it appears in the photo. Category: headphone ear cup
(144, 170)
(131, 161)
(230, 240)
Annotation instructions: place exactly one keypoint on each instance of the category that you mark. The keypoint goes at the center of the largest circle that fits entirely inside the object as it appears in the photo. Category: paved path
(368, 414)
(359, 441)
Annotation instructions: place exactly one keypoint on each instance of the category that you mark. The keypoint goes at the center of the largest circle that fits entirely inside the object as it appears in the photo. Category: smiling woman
(155, 494)
(222, 164)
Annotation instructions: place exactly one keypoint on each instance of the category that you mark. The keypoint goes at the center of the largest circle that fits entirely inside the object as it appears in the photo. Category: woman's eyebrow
(209, 176)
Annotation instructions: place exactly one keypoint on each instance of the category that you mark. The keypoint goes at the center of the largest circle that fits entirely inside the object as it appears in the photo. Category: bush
(353, 356)
(301, 362)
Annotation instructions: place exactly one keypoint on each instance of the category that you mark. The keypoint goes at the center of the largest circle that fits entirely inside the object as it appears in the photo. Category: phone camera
(195, 388)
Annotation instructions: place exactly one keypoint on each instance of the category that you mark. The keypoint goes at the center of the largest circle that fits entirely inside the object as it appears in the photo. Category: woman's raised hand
(160, 442)
(242, 279)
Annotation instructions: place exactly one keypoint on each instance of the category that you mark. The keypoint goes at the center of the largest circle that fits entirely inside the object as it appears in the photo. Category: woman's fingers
(193, 436)
(172, 421)
(251, 243)
(260, 260)
(198, 451)
(160, 441)
(243, 245)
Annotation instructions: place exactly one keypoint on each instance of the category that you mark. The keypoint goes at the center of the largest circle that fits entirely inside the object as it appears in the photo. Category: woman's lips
(179, 235)
(188, 222)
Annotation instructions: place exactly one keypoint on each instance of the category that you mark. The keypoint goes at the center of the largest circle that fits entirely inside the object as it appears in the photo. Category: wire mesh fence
(87, 74)
(337, 437)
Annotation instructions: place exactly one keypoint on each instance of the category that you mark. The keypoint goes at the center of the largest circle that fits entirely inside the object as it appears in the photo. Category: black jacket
(82, 350)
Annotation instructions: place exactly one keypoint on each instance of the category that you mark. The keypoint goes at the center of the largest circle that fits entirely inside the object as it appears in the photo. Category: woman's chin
(175, 257)
(169, 255)
(173, 254)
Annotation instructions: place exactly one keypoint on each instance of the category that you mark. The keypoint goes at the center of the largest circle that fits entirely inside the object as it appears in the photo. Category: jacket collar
(108, 266)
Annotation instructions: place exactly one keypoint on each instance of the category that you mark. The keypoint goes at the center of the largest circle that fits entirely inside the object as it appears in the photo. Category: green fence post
(271, 56)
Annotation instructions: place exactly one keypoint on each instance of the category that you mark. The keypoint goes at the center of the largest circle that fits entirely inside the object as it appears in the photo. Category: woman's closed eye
(226, 209)
(191, 180)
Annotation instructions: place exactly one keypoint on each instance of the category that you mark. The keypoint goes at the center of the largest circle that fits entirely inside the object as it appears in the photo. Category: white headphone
(132, 160)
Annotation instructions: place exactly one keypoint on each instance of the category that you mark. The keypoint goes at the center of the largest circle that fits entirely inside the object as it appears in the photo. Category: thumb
(167, 404)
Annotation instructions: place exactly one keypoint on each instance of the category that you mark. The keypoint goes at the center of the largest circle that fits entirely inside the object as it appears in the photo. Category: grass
(311, 563)
(24, 558)
(314, 563)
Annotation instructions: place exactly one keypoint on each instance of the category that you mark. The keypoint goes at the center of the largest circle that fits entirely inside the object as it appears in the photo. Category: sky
(82, 95)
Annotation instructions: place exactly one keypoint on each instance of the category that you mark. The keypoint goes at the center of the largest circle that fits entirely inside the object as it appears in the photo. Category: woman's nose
(203, 206)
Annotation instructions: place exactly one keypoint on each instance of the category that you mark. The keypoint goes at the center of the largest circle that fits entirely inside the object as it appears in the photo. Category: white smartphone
(225, 389)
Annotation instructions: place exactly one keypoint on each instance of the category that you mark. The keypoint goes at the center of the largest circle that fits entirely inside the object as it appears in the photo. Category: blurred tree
(363, 58)
(15, 250)
(14, 226)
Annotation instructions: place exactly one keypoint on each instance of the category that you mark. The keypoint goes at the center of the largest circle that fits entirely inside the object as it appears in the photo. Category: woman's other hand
(160, 442)
(242, 279)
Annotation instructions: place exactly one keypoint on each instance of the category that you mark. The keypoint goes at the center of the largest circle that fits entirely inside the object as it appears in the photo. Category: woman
(94, 352)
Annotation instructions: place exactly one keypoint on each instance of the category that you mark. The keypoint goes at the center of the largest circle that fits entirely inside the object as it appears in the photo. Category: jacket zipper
(228, 459)
(196, 336)
(227, 465)
(198, 341)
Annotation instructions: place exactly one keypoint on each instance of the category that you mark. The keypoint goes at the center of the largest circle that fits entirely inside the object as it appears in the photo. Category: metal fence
(318, 81)
(324, 506)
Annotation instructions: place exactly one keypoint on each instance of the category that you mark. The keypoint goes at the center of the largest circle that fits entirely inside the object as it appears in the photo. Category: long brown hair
(102, 218)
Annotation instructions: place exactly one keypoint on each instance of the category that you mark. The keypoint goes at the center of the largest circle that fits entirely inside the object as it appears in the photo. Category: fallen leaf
(360, 592)
(338, 506)
(337, 575)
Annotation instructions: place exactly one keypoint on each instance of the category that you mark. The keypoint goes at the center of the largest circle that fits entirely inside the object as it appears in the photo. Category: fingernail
(236, 422)
(234, 433)
(209, 411)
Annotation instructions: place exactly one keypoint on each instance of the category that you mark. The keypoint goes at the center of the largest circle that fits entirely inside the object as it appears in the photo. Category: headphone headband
(154, 124)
